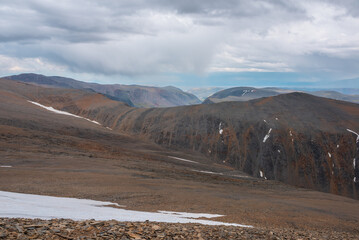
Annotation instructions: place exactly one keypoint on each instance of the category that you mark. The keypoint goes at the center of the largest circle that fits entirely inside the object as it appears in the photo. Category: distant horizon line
(201, 87)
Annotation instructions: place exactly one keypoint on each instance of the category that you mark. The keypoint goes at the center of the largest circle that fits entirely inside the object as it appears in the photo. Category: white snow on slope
(338, 146)
(246, 91)
(208, 172)
(267, 136)
(220, 130)
(182, 159)
(354, 133)
(62, 112)
(19, 205)
(329, 154)
(5, 166)
(262, 175)
(354, 163)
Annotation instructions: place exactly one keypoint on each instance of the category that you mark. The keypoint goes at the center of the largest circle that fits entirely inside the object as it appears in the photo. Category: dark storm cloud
(159, 36)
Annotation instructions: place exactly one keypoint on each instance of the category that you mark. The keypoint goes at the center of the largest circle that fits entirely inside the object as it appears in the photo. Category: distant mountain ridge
(250, 93)
(203, 92)
(133, 95)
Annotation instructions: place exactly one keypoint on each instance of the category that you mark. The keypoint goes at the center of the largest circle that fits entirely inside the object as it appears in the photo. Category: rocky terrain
(133, 95)
(91, 229)
(116, 160)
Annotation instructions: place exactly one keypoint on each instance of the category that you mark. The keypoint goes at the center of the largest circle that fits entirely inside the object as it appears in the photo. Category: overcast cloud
(154, 37)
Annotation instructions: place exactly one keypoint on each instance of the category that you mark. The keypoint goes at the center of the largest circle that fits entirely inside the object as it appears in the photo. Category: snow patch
(355, 179)
(354, 163)
(267, 136)
(262, 175)
(290, 133)
(51, 109)
(208, 172)
(19, 205)
(191, 215)
(5, 166)
(220, 130)
(265, 121)
(109, 128)
(329, 154)
(355, 134)
(276, 119)
(278, 151)
(338, 146)
(182, 159)
(246, 91)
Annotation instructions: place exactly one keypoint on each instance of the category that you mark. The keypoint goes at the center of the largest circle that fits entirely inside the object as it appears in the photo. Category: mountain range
(250, 93)
(295, 138)
(133, 95)
(147, 96)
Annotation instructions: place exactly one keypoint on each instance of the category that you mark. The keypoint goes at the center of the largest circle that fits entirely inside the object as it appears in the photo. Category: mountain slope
(204, 92)
(133, 95)
(294, 138)
(239, 94)
(249, 93)
(336, 95)
(55, 154)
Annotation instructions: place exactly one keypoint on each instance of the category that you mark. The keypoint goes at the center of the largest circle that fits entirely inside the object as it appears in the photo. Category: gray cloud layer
(191, 36)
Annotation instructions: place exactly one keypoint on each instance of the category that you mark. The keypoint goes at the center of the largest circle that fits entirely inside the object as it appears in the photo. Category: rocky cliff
(295, 138)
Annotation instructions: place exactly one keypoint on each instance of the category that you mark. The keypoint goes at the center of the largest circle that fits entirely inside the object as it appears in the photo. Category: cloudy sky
(187, 43)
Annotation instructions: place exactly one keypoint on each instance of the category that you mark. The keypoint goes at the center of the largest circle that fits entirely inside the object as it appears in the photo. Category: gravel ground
(11, 228)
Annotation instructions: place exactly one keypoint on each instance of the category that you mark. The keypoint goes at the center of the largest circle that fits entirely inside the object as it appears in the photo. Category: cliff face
(298, 139)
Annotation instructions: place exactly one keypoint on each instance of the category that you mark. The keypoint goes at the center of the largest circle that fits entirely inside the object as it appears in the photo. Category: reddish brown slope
(301, 148)
(59, 155)
(308, 144)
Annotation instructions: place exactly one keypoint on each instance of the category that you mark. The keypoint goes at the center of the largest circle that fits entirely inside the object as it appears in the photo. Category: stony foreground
(68, 229)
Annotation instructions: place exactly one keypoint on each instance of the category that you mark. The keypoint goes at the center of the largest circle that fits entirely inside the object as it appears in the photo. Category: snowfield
(182, 159)
(357, 140)
(19, 205)
(267, 136)
(208, 172)
(51, 109)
